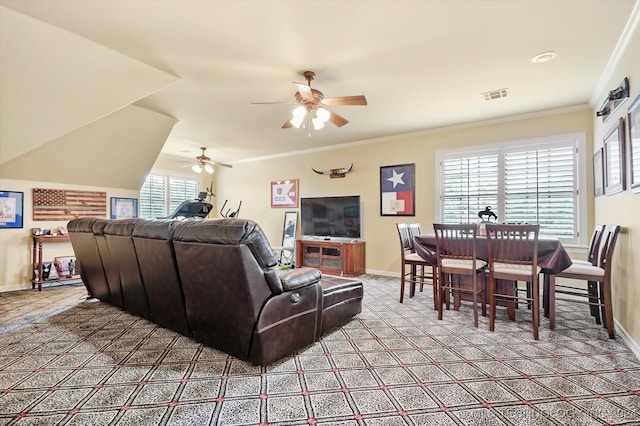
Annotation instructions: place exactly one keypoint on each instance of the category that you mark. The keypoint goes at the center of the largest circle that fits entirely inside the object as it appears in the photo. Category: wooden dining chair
(593, 258)
(426, 275)
(456, 252)
(600, 274)
(411, 260)
(513, 256)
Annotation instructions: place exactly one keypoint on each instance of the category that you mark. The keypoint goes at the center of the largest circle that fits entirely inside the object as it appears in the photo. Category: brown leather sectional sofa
(213, 280)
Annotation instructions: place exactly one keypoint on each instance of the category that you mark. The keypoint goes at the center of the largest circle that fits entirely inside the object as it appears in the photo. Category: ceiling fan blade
(346, 100)
(287, 125)
(304, 90)
(338, 120)
(216, 163)
(274, 103)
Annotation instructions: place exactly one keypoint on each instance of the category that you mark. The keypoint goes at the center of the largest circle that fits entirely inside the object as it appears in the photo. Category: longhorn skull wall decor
(334, 173)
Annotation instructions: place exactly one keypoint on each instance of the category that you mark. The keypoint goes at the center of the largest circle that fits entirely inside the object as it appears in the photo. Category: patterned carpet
(68, 361)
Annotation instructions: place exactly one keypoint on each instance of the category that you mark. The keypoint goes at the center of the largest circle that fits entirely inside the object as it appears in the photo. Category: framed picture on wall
(598, 173)
(634, 143)
(614, 160)
(124, 208)
(284, 193)
(397, 190)
(11, 209)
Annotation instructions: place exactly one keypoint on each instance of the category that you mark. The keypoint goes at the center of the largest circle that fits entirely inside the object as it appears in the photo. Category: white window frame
(580, 176)
(167, 175)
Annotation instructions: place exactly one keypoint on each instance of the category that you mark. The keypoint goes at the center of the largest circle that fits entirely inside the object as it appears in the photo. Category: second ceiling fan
(204, 162)
(312, 106)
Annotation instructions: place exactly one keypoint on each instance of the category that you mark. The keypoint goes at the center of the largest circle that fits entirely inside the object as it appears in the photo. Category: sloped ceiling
(116, 151)
(58, 87)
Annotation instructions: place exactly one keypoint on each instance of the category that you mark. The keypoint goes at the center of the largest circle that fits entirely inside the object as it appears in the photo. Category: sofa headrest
(228, 232)
(155, 229)
(83, 224)
(98, 226)
(120, 227)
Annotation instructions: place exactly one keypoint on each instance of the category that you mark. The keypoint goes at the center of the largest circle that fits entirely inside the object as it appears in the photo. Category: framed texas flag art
(397, 190)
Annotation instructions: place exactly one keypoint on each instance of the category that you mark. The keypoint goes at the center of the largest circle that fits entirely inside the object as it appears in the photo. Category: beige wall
(250, 181)
(623, 208)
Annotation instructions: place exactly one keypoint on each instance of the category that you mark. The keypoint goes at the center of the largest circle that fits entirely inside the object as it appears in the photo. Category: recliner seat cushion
(341, 299)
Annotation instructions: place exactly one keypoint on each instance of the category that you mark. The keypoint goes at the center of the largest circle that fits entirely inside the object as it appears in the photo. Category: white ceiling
(421, 64)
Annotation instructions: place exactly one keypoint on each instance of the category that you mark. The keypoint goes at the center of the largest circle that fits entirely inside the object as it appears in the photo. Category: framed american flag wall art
(65, 204)
(397, 190)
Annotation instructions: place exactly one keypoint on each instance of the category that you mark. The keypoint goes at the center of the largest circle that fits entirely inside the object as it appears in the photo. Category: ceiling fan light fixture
(197, 168)
(299, 112)
(317, 123)
(208, 168)
(323, 114)
(296, 121)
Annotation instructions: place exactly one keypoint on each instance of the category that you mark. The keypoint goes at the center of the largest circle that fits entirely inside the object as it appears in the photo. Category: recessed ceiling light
(544, 57)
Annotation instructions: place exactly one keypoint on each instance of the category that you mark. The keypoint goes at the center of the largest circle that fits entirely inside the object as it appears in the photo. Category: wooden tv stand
(341, 258)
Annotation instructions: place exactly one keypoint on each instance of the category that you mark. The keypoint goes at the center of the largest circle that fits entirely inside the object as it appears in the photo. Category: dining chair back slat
(594, 245)
(414, 229)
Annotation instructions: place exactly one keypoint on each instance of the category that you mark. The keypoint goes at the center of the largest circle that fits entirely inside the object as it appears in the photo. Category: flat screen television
(331, 217)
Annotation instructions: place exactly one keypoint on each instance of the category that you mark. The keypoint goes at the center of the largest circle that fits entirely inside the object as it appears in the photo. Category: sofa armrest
(291, 279)
(300, 277)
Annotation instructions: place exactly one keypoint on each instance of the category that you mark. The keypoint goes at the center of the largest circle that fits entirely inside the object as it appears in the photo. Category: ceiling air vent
(495, 94)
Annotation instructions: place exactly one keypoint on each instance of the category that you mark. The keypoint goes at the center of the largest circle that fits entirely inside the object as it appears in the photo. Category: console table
(38, 242)
(341, 258)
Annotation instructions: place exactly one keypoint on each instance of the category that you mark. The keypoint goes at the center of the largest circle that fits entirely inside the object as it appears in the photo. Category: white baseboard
(627, 339)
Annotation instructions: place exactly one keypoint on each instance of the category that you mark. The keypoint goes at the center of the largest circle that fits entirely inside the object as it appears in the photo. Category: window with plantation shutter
(471, 184)
(534, 182)
(539, 187)
(161, 195)
(181, 189)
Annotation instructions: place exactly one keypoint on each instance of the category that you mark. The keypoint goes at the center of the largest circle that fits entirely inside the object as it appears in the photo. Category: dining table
(552, 258)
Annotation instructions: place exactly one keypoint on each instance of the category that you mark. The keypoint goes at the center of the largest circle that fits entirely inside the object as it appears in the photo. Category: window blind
(152, 197)
(534, 183)
(539, 188)
(181, 189)
(471, 184)
(161, 195)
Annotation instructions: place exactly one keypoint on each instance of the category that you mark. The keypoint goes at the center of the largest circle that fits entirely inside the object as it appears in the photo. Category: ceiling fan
(204, 163)
(312, 106)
